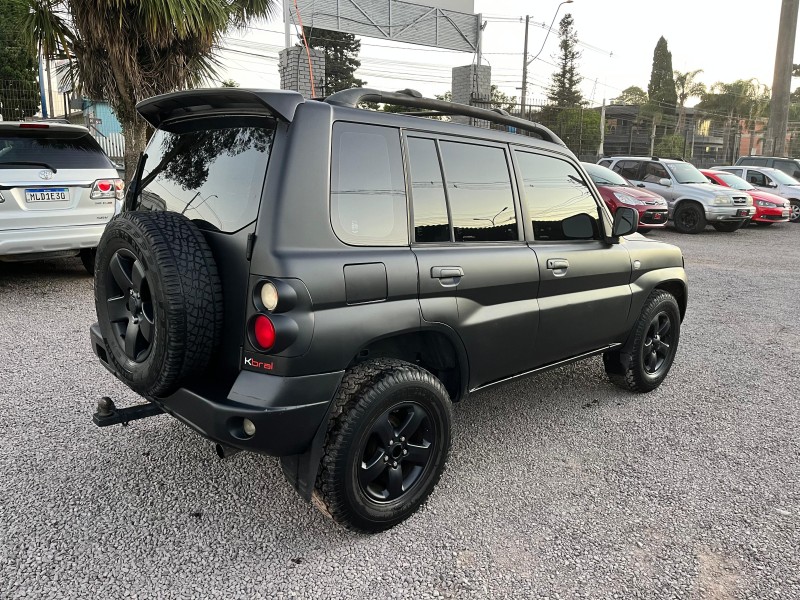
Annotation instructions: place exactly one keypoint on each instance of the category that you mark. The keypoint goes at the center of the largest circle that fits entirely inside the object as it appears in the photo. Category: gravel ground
(559, 486)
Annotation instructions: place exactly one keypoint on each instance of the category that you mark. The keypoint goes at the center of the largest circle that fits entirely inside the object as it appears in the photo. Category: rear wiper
(30, 163)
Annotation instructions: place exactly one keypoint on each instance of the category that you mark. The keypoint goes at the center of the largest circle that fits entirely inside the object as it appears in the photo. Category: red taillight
(104, 186)
(264, 332)
(34, 126)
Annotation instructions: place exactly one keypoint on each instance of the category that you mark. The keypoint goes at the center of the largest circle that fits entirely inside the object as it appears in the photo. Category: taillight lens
(269, 296)
(263, 332)
(108, 188)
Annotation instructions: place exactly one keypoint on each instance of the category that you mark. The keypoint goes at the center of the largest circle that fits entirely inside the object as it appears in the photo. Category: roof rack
(413, 99)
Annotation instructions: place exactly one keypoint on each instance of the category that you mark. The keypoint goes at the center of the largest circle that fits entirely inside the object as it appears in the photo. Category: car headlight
(627, 199)
(766, 204)
(723, 199)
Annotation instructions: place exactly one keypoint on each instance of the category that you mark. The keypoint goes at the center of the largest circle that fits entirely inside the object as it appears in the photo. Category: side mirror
(665, 181)
(626, 221)
(772, 185)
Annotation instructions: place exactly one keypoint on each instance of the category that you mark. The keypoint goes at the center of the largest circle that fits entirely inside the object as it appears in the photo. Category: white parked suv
(693, 200)
(58, 190)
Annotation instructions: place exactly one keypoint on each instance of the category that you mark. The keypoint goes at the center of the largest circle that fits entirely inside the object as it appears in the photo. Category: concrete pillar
(472, 84)
(293, 67)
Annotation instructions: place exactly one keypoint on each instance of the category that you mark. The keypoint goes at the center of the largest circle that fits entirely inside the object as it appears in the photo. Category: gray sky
(729, 40)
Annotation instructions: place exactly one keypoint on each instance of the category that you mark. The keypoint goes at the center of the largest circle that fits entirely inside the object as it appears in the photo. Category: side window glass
(737, 172)
(756, 178)
(479, 190)
(629, 169)
(654, 172)
(368, 198)
(604, 163)
(427, 192)
(559, 201)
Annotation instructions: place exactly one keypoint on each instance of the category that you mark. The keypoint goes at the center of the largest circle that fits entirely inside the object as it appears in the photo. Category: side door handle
(446, 272)
(558, 266)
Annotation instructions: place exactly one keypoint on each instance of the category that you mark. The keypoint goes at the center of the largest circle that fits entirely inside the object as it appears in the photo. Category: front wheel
(386, 446)
(794, 215)
(655, 341)
(689, 217)
(728, 226)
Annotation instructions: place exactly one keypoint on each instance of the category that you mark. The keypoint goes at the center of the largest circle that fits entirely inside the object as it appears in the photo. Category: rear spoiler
(279, 103)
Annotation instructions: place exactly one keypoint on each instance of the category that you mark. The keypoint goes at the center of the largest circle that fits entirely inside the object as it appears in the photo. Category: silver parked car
(58, 190)
(693, 201)
(771, 180)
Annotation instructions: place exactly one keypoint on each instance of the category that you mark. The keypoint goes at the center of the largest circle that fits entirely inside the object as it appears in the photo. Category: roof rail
(413, 99)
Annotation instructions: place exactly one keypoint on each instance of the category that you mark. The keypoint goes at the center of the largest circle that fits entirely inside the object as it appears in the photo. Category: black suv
(314, 281)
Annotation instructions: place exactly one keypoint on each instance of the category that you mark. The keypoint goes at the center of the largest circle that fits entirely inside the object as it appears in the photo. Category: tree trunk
(135, 133)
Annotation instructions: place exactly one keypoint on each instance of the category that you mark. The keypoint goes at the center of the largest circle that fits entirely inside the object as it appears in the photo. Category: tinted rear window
(59, 149)
(214, 176)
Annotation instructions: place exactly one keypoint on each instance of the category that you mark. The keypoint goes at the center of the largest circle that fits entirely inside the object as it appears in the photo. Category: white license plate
(47, 195)
(785, 213)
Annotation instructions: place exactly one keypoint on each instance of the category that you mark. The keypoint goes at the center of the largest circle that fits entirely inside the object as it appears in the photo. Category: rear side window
(559, 202)
(214, 176)
(368, 197)
(629, 169)
(790, 167)
(479, 190)
(749, 160)
(56, 149)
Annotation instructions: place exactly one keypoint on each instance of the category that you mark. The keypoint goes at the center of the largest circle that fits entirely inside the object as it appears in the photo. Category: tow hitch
(108, 414)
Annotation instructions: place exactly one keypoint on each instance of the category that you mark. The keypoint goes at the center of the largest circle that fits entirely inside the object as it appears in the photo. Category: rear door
(584, 291)
(46, 177)
(476, 273)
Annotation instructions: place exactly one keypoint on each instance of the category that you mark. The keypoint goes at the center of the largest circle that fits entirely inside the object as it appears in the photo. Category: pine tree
(19, 90)
(341, 58)
(661, 89)
(564, 90)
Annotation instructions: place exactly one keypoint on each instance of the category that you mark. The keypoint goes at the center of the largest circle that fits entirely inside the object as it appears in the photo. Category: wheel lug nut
(402, 439)
(385, 459)
(394, 464)
(405, 452)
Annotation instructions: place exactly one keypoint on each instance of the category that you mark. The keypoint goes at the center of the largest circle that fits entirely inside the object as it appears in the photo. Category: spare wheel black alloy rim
(398, 450)
(657, 343)
(130, 305)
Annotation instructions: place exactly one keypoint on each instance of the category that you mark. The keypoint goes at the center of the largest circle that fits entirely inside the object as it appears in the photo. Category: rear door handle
(446, 272)
(556, 264)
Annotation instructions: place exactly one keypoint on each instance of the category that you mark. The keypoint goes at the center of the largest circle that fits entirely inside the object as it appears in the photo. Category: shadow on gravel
(61, 268)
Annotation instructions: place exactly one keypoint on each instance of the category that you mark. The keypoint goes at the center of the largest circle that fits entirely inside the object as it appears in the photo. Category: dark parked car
(314, 281)
(790, 166)
(618, 191)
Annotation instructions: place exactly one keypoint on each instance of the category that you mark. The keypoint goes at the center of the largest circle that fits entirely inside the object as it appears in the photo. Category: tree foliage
(687, 86)
(564, 90)
(661, 89)
(125, 51)
(19, 90)
(631, 96)
(341, 58)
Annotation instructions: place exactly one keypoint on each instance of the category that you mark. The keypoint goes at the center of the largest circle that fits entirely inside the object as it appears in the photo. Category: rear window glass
(50, 148)
(214, 176)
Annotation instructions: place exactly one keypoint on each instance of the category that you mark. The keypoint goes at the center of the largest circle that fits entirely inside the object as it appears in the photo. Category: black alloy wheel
(130, 306)
(689, 218)
(397, 452)
(657, 344)
(386, 445)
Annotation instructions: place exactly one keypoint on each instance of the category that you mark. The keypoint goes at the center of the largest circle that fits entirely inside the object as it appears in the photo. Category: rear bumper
(286, 411)
(16, 243)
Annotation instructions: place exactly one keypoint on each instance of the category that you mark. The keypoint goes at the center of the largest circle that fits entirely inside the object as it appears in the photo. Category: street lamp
(526, 62)
(505, 208)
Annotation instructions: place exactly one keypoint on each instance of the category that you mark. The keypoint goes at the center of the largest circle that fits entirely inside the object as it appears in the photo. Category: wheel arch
(435, 347)
(679, 290)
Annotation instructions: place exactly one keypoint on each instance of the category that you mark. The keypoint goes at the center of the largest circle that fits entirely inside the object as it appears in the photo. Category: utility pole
(782, 80)
(524, 70)
(601, 151)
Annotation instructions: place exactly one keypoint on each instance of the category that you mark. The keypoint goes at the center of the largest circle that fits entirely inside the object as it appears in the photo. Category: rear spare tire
(158, 299)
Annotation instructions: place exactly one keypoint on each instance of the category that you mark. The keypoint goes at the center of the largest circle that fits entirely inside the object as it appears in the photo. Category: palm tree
(686, 87)
(126, 50)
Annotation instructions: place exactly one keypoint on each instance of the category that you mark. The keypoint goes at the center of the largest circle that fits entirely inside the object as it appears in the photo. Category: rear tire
(655, 341)
(728, 226)
(689, 217)
(386, 446)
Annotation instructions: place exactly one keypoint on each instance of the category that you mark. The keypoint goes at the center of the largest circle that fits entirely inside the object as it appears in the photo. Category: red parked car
(770, 208)
(618, 191)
